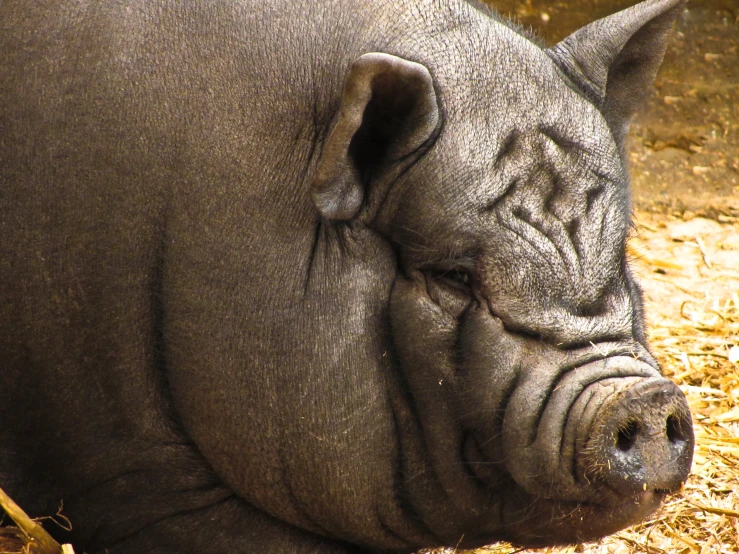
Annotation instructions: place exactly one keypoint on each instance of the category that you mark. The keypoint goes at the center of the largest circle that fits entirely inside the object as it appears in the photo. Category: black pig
(324, 277)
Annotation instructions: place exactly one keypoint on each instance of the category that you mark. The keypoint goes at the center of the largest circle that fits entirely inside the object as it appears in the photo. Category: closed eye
(454, 277)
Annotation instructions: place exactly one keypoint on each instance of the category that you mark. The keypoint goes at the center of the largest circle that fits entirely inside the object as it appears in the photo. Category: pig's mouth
(597, 459)
(538, 522)
(533, 521)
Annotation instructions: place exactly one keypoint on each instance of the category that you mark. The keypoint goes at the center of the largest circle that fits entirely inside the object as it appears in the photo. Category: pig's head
(529, 401)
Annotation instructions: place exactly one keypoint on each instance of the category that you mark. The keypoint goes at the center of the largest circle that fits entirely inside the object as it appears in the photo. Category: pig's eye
(450, 288)
(458, 277)
(454, 277)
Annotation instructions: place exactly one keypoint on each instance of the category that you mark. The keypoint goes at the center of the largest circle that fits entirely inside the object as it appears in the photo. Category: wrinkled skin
(333, 277)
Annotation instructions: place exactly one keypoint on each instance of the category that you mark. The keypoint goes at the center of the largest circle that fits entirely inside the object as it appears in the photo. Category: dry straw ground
(689, 269)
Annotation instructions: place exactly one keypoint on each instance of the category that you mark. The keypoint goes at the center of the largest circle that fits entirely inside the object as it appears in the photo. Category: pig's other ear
(614, 60)
(388, 110)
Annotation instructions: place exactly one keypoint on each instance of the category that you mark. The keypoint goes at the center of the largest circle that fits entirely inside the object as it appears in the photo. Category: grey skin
(330, 277)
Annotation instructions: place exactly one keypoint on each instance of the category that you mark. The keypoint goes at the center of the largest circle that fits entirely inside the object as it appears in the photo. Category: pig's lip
(532, 523)
(568, 522)
(548, 521)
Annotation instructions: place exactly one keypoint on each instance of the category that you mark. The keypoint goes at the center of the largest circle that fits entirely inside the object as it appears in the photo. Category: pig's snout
(641, 439)
(609, 431)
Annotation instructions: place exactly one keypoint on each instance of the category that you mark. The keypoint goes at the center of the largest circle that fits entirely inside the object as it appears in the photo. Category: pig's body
(262, 292)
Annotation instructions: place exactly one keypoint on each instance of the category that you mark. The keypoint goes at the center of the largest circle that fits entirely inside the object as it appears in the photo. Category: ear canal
(388, 110)
(614, 60)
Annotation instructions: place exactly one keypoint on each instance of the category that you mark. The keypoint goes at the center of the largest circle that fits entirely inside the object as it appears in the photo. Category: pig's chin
(534, 520)
(531, 521)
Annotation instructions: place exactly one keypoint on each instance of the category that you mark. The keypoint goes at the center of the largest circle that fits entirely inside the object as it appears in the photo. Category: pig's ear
(614, 60)
(388, 111)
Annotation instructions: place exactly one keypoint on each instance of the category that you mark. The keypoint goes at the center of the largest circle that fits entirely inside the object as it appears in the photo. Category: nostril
(675, 432)
(640, 440)
(626, 437)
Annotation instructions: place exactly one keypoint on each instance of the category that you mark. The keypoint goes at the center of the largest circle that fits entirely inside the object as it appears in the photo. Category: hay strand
(29, 537)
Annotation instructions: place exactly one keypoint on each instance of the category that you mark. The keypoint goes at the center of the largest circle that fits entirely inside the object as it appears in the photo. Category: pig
(325, 277)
